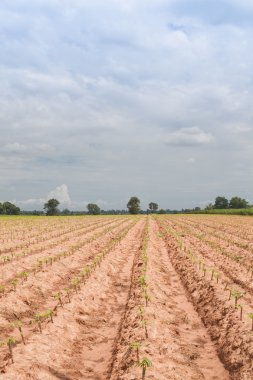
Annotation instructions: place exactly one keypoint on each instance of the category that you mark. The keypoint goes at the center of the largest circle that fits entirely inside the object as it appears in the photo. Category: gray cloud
(91, 91)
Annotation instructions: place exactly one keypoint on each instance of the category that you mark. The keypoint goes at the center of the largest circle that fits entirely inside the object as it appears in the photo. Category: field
(126, 297)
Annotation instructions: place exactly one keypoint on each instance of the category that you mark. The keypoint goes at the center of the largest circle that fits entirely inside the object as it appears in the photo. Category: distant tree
(153, 207)
(51, 207)
(221, 202)
(1, 208)
(133, 205)
(66, 212)
(161, 211)
(93, 209)
(210, 206)
(9, 208)
(197, 208)
(237, 202)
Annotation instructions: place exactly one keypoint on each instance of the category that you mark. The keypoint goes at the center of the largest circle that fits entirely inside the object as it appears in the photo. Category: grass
(242, 211)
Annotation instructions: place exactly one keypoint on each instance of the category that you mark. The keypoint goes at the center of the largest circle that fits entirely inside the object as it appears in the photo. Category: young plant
(38, 319)
(67, 290)
(236, 294)
(2, 289)
(144, 364)
(58, 296)
(144, 322)
(136, 346)
(18, 325)
(239, 307)
(10, 343)
(251, 317)
(14, 283)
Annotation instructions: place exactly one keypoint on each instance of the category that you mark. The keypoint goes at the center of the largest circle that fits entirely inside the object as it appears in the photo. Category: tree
(66, 212)
(221, 202)
(9, 208)
(133, 205)
(237, 202)
(153, 206)
(51, 207)
(93, 209)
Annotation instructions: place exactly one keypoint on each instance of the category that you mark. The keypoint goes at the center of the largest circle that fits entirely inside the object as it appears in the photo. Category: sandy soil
(144, 287)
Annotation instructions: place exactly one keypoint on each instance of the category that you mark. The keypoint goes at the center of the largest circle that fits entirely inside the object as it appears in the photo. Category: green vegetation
(8, 208)
(153, 207)
(133, 205)
(93, 209)
(51, 207)
(144, 364)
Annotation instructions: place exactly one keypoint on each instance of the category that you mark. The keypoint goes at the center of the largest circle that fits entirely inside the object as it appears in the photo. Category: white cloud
(61, 193)
(189, 136)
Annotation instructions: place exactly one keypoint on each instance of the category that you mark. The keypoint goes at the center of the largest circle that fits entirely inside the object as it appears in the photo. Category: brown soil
(142, 286)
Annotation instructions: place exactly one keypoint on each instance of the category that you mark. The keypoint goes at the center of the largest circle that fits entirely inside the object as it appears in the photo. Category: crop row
(62, 296)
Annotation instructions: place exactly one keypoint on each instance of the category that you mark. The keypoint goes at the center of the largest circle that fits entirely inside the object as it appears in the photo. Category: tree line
(133, 207)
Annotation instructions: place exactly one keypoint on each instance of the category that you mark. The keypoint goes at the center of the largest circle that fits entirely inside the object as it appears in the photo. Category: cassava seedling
(145, 324)
(10, 343)
(38, 319)
(18, 325)
(67, 290)
(14, 283)
(142, 280)
(239, 307)
(136, 346)
(144, 364)
(58, 296)
(2, 289)
(251, 317)
(237, 295)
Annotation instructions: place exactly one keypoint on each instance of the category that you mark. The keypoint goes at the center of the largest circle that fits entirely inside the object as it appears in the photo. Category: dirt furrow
(232, 338)
(79, 344)
(178, 344)
(37, 292)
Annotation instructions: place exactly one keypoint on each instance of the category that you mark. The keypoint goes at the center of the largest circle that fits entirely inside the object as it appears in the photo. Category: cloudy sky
(102, 100)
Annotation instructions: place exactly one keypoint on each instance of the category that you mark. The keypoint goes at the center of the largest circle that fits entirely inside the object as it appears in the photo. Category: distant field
(126, 297)
(245, 211)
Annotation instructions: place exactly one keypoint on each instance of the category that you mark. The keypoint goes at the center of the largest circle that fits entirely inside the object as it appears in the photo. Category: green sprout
(10, 343)
(14, 283)
(237, 295)
(67, 290)
(38, 318)
(239, 307)
(136, 346)
(142, 280)
(2, 289)
(58, 296)
(251, 317)
(18, 325)
(144, 364)
(144, 322)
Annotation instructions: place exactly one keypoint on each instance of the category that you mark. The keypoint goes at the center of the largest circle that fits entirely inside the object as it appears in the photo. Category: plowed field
(126, 297)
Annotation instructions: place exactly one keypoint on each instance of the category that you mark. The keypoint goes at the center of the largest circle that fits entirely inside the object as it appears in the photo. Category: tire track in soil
(79, 344)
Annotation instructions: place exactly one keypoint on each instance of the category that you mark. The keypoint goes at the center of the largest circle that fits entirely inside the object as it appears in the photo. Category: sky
(104, 100)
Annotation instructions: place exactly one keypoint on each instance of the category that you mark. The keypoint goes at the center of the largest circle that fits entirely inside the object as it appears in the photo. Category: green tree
(93, 209)
(1, 208)
(237, 202)
(153, 207)
(221, 202)
(133, 205)
(51, 207)
(9, 208)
